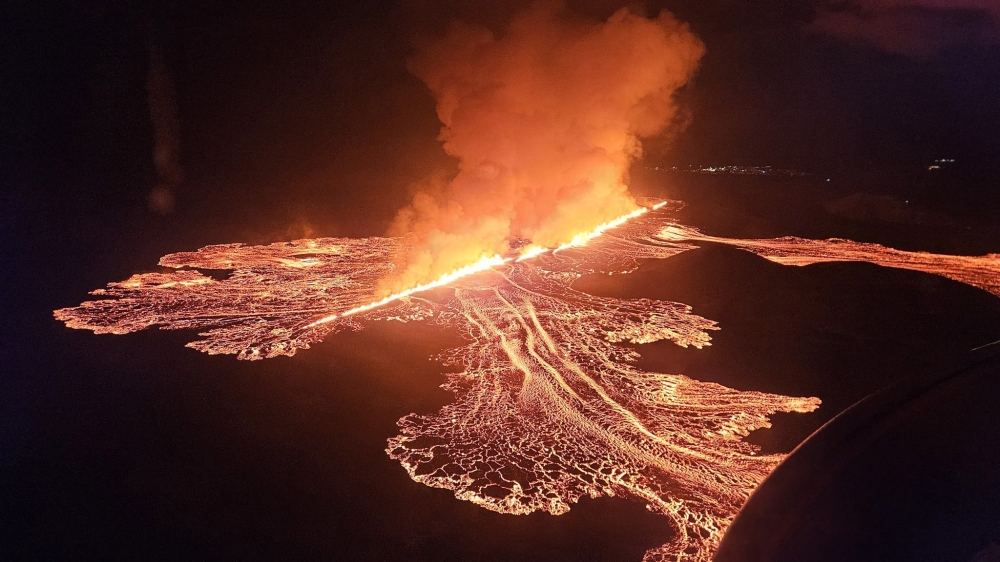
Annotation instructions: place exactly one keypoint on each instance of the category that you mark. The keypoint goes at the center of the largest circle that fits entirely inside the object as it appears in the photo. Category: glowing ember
(548, 408)
(545, 116)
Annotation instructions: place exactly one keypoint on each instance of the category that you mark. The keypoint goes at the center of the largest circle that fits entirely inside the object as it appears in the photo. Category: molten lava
(482, 265)
(548, 407)
(982, 272)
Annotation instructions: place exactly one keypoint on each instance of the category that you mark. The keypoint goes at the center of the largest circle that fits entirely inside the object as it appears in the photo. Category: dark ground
(296, 122)
(911, 473)
(136, 447)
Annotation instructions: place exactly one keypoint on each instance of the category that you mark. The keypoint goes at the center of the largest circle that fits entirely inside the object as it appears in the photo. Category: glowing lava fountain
(548, 406)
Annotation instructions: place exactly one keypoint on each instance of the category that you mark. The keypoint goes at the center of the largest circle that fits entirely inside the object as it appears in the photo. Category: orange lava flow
(982, 272)
(482, 265)
(549, 406)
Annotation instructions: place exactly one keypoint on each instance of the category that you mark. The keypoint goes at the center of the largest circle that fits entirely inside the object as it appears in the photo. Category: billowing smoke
(544, 120)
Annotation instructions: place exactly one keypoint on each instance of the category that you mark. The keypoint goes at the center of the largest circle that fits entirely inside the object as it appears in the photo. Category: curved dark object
(910, 473)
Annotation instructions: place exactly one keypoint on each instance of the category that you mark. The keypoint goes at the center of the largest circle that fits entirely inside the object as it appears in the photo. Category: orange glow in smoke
(545, 116)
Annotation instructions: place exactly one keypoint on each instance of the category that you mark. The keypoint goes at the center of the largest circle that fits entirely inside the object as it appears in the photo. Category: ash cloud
(910, 27)
(544, 120)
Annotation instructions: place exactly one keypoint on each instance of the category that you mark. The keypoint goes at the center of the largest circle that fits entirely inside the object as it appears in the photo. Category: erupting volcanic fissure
(548, 406)
(544, 119)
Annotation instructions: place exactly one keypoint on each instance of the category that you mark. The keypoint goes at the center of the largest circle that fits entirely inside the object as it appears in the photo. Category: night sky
(312, 101)
(292, 119)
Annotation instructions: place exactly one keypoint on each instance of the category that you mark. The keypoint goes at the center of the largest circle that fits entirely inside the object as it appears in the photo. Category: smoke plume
(544, 121)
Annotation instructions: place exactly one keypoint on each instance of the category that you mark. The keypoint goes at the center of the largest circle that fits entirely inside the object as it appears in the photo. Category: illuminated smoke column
(544, 120)
(548, 406)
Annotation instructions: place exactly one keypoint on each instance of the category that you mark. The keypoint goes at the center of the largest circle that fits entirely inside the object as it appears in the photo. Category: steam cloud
(544, 120)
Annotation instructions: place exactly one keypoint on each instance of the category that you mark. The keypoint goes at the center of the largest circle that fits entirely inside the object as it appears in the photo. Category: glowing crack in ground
(548, 406)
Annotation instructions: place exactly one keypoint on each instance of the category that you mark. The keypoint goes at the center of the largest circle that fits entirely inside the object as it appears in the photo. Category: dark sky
(299, 119)
(305, 109)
